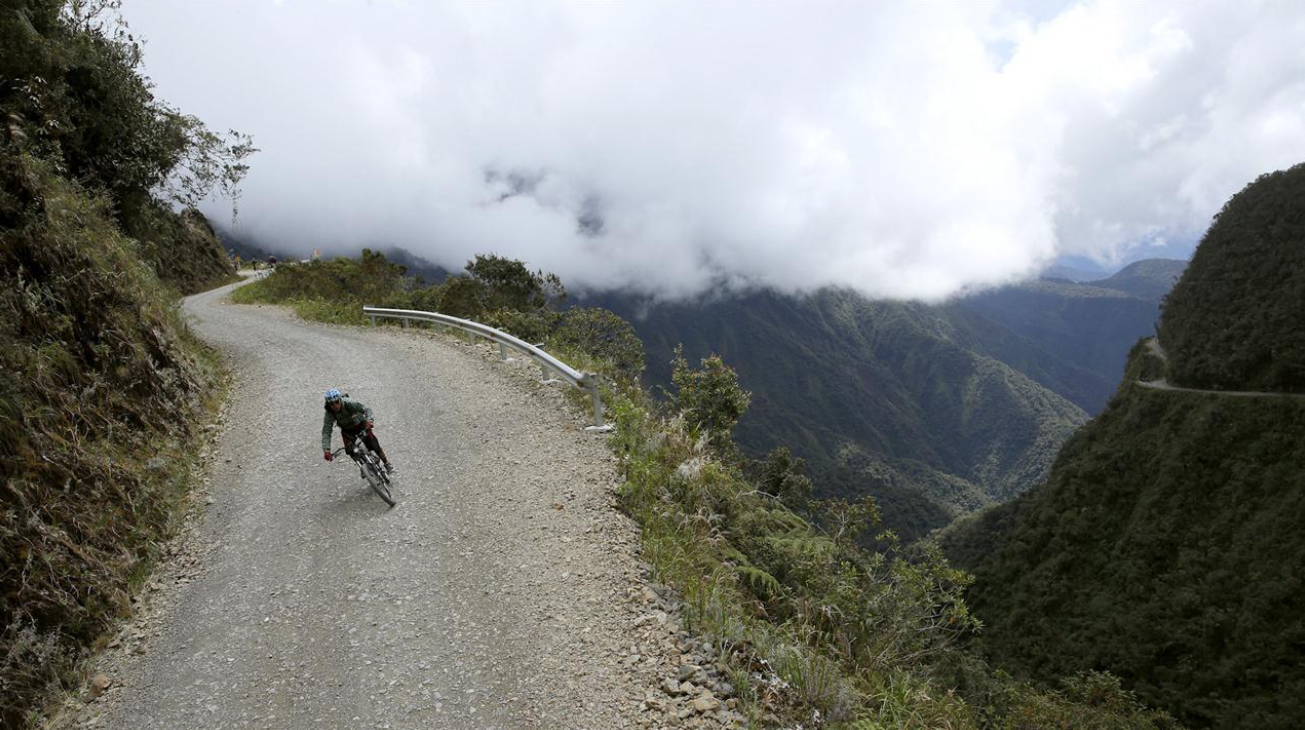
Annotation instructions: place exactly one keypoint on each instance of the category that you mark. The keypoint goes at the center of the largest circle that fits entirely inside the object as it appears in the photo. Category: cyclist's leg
(348, 440)
(375, 445)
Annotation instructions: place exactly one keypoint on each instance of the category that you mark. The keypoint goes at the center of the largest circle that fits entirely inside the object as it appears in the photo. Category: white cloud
(906, 150)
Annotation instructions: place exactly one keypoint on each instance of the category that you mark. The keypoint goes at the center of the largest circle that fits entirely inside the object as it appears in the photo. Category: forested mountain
(882, 398)
(1150, 279)
(1084, 329)
(933, 410)
(1235, 321)
(1166, 545)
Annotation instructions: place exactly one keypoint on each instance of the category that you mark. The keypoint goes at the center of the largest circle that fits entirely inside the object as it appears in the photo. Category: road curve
(1153, 346)
(494, 596)
(1165, 385)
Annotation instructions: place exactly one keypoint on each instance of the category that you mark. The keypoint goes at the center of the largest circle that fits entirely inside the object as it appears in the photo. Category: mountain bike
(369, 468)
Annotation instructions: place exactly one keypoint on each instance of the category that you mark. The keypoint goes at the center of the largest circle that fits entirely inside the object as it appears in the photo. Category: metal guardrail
(587, 382)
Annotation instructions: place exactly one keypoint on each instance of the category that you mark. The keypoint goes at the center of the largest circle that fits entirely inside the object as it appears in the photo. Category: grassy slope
(99, 429)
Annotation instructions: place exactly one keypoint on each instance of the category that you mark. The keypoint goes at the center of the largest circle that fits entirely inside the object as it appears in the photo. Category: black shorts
(368, 437)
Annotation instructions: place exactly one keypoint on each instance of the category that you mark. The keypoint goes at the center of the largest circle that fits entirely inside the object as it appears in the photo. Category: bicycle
(369, 468)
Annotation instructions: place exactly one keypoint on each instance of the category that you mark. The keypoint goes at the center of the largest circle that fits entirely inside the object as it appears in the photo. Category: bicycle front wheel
(378, 481)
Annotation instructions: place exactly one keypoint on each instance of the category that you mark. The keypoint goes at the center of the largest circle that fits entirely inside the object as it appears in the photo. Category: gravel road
(502, 592)
(1153, 345)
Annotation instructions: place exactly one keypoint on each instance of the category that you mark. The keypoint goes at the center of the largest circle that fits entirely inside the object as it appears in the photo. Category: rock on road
(495, 595)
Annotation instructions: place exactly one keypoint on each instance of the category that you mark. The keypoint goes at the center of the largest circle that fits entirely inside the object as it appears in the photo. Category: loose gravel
(504, 590)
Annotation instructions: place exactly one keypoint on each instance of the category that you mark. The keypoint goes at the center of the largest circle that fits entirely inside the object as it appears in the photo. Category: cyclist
(354, 420)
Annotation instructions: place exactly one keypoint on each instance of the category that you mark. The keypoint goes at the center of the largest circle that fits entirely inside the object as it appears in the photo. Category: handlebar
(358, 440)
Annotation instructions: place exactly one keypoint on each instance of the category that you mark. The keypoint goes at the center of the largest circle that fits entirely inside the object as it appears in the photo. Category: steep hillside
(1166, 544)
(1166, 548)
(183, 249)
(103, 391)
(1234, 322)
(1086, 330)
(882, 398)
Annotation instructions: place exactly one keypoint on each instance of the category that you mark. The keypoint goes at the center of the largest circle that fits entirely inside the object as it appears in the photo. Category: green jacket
(353, 416)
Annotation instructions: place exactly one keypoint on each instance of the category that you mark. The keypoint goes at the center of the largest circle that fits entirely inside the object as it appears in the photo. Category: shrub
(533, 326)
(508, 284)
(783, 477)
(602, 334)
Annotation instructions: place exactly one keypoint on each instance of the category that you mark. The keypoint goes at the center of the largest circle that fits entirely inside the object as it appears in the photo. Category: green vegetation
(72, 93)
(1234, 321)
(886, 399)
(336, 290)
(778, 583)
(497, 291)
(1166, 543)
(1149, 279)
(601, 334)
(709, 398)
(103, 389)
(1161, 548)
(916, 405)
(1071, 338)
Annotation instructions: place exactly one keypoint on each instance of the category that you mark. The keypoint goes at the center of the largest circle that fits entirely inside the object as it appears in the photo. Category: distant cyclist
(354, 420)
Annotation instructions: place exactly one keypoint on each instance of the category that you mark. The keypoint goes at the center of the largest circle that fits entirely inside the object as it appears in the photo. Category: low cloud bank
(905, 150)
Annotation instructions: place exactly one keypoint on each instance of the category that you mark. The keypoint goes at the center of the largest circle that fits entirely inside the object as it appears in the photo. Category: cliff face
(1166, 545)
(182, 248)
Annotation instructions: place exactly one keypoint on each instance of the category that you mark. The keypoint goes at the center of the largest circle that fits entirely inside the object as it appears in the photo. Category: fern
(762, 584)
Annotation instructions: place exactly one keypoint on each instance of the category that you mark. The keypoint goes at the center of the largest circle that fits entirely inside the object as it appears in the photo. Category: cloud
(905, 150)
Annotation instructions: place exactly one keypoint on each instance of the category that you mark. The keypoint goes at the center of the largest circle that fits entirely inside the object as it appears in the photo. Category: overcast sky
(903, 149)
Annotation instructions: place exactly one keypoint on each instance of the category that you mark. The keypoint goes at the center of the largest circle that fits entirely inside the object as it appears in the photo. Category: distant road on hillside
(1154, 346)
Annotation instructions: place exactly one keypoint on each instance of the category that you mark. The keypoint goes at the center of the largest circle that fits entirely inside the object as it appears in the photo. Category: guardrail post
(405, 323)
(502, 352)
(600, 424)
(598, 405)
(471, 338)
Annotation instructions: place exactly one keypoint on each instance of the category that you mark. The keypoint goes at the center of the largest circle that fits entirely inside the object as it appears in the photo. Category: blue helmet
(333, 395)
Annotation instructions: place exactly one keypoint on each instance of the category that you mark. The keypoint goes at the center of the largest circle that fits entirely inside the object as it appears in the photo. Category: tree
(709, 398)
(71, 89)
(508, 284)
